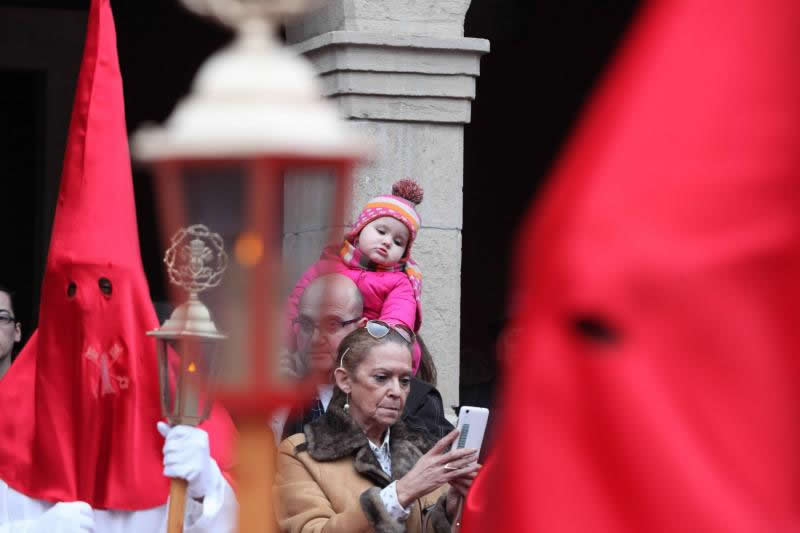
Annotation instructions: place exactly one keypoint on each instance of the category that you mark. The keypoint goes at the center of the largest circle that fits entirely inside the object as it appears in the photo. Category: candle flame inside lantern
(248, 249)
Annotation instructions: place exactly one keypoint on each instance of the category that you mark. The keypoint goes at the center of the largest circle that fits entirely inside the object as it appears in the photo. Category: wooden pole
(256, 445)
(254, 477)
(177, 505)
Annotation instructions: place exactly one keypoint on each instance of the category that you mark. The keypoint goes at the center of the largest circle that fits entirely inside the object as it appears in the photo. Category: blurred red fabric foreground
(657, 385)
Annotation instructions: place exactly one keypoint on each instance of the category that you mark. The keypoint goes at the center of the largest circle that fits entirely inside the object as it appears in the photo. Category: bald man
(329, 309)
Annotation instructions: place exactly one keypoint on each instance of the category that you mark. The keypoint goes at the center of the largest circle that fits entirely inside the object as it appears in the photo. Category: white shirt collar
(384, 444)
(325, 394)
(383, 453)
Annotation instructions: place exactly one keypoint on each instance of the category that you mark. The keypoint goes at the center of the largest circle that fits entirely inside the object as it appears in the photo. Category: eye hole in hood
(72, 288)
(596, 329)
(105, 286)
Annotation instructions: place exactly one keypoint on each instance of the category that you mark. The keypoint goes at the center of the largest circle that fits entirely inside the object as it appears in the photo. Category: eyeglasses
(379, 329)
(7, 319)
(329, 326)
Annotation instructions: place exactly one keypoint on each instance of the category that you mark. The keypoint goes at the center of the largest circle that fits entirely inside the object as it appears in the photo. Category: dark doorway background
(160, 48)
(545, 58)
(21, 139)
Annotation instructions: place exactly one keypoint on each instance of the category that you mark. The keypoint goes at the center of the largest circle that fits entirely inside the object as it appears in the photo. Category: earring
(347, 404)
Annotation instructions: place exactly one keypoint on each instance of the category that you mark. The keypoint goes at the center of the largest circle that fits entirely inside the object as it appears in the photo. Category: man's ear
(362, 321)
(342, 379)
(17, 332)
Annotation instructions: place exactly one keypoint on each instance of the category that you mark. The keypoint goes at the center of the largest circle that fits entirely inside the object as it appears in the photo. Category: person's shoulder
(424, 409)
(293, 444)
(420, 390)
(294, 440)
(421, 386)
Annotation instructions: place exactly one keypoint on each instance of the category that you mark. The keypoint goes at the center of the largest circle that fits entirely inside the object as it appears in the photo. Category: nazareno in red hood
(656, 383)
(82, 399)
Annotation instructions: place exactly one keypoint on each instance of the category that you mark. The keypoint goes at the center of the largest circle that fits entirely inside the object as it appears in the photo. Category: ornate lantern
(257, 153)
(187, 343)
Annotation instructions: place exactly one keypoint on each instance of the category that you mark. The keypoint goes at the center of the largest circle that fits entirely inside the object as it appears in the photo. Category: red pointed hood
(657, 382)
(84, 390)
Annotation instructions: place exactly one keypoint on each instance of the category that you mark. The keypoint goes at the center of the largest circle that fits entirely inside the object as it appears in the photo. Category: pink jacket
(388, 296)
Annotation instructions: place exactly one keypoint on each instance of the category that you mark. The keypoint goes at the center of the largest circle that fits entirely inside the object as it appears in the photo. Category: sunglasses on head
(378, 329)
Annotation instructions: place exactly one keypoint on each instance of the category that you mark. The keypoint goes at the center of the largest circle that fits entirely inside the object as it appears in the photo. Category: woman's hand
(437, 467)
(462, 484)
(458, 490)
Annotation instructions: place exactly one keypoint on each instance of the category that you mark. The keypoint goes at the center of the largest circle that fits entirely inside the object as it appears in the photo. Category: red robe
(657, 383)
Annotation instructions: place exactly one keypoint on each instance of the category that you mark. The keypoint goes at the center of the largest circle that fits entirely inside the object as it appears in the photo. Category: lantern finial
(196, 260)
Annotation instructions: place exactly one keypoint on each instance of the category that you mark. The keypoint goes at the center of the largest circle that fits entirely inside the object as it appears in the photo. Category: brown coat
(329, 480)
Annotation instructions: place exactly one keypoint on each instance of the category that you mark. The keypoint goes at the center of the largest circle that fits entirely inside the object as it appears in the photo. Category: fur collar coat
(329, 479)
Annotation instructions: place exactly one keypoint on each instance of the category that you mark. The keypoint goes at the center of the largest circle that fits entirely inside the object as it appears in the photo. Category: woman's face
(380, 385)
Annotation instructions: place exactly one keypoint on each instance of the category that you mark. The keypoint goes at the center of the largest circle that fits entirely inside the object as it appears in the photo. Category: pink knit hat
(406, 194)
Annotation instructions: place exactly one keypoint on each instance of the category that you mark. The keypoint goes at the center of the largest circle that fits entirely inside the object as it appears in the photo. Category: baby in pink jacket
(376, 255)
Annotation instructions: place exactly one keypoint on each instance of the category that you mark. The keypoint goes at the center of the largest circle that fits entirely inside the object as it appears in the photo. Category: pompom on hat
(401, 204)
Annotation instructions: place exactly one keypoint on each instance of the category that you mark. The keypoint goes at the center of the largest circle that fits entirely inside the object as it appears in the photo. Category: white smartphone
(472, 426)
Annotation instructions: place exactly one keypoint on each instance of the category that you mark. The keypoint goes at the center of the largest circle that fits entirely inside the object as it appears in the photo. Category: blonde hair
(357, 344)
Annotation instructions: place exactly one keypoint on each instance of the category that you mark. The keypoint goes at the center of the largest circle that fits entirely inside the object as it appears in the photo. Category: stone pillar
(403, 71)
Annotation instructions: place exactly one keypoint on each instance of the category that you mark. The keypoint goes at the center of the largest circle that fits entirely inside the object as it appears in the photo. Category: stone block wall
(403, 72)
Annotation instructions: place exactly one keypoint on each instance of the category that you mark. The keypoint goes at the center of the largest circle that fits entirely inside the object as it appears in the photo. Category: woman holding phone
(358, 467)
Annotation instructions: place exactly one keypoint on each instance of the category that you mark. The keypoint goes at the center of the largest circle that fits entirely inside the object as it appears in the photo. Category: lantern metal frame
(258, 105)
(196, 261)
(179, 347)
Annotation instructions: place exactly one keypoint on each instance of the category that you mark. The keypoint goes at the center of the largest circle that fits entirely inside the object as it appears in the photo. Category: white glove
(66, 517)
(187, 456)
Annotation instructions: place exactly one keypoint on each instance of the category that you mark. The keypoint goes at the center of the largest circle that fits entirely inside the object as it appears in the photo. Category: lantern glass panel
(275, 218)
(309, 221)
(188, 366)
